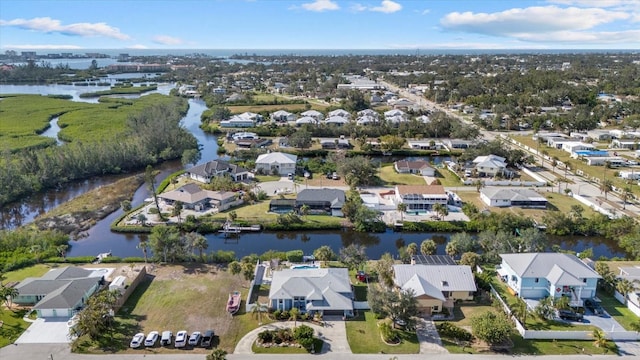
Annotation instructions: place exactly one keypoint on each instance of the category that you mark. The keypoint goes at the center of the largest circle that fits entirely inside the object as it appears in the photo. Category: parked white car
(151, 339)
(194, 339)
(181, 339)
(137, 340)
(167, 335)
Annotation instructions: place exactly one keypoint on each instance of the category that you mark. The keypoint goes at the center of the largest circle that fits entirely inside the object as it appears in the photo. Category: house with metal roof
(538, 275)
(59, 293)
(207, 171)
(276, 163)
(420, 197)
(506, 197)
(435, 286)
(490, 165)
(326, 291)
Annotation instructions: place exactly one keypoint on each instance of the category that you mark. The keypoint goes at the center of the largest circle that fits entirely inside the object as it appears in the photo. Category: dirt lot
(190, 298)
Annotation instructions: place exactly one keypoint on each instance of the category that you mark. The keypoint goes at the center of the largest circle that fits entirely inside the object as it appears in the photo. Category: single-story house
(574, 146)
(452, 144)
(282, 206)
(425, 144)
(366, 120)
(632, 144)
(599, 135)
(490, 165)
(336, 120)
(207, 171)
(313, 114)
(368, 112)
(283, 116)
(505, 197)
(277, 162)
(435, 286)
(322, 201)
(307, 120)
(632, 274)
(326, 291)
(538, 275)
(59, 293)
(194, 198)
(419, 167)
(253, 143)
(335, 143)
(420, 197)
(340, 113)
(237, 122)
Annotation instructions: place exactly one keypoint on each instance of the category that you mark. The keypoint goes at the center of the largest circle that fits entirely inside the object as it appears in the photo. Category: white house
(574, 146)
(506, 197)
(283, 116)
(538, 275)
(341, 113)
(490, 165)
(277, 162)
(419, 167)
(631, 144)
(336, 120)
(420, 197)
(632, 274)
(207, 171)
(313, 114)
(307, 120)
(237, 121)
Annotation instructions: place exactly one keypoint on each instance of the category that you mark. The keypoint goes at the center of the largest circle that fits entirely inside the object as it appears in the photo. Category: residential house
(539, 275)
(276, 163)
(61, 292)
(425, 144)
(395, 116)
(307, 120)
(253, 143)
(207, 171)
(574, 146)
(401, 103)
(419, 167)
(335, 143)
(452, 144)
(490, 165)
(193, 197)
(283, 116)
(436, 286)
(368, 112)
(423, 119)
(237, 122)
(337, 120)
(632, 300)
(420, 197)
(631, 144)
(599, 135)
(340, 113)
(366, 120)
(313, 114)
(326, 291)
(322, 201)
(506, 197)
(282, 206)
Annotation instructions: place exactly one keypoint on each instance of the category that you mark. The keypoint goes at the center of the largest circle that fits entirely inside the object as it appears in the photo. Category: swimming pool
(303, 267)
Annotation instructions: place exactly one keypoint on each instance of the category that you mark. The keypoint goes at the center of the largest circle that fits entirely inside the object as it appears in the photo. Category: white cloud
(41, 47)
(49, 25)
(387, 7)
(321, 5)
(599, 37)
(358, 7)
(167, 40)
(425, 11)
(595, 3)
(137, 46)
(541, 20)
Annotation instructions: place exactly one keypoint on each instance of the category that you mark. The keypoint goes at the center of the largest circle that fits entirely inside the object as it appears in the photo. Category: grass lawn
(12, 325)
(265, 178)
(257, 212)
(466, 311)
(618, 311)
(562, 347)
(389, 175)
(187, 298)
(31, 271)
(447, 178)
(364, 337)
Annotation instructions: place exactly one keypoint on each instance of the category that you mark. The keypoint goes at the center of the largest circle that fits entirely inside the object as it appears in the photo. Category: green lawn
(447, 178)
(364, 337)
(12, 326)
(389, 175)
(618, 311)
(21, 274)
(265, 178)
(464, 312)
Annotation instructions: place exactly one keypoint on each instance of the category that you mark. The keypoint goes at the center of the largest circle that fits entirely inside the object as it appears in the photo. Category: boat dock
(231, 229)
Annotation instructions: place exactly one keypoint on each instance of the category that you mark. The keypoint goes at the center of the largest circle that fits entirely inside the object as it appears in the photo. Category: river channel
(100, 239)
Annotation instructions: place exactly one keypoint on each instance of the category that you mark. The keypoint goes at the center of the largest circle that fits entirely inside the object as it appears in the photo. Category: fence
(507, 183)
(129, 290)
(258, 275)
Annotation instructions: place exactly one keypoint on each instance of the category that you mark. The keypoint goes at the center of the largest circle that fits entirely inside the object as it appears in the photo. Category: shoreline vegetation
(121, 90)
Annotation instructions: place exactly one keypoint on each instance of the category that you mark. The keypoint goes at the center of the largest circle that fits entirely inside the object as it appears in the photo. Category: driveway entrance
(46, 331)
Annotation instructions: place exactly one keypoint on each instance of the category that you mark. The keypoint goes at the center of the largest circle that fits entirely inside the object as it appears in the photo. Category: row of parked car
(182, 339)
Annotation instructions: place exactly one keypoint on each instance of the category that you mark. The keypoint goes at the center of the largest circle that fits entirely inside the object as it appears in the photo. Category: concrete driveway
(46, 331)
(334, 335)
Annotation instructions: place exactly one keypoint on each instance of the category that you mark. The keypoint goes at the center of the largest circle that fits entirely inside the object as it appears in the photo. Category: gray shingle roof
(541, 265)
(327, 288)
(334, 196)
(210, 168)
(68, 295)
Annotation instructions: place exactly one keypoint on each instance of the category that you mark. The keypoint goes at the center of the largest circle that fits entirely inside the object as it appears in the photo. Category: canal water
(100, 239)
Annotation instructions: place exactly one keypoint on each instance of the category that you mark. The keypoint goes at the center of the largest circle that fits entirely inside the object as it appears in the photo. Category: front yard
(364, 337)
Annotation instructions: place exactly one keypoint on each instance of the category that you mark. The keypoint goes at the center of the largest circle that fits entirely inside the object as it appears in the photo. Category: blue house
(539, 275)
(312, 290)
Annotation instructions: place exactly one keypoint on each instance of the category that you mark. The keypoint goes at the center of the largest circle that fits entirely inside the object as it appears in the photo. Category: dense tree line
(23, 247)
(154, 135)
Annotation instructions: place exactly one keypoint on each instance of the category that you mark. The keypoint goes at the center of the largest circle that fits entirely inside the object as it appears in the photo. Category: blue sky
(319, 24)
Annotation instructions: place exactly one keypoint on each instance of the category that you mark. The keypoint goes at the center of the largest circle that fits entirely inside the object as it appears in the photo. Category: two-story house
(207, 171)
(539, 275)
(420, 197)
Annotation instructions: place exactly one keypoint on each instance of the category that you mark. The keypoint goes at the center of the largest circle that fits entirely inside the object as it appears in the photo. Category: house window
(584, 280)
(436, 308)
(537, 280)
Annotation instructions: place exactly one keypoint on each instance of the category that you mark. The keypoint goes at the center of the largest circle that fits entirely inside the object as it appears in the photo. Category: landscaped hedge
(71, 260)
(304, 226)
(435, 226)
(295, 255)
(451, 331)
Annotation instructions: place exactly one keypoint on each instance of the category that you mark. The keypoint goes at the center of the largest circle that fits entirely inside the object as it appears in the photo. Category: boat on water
(233, 304)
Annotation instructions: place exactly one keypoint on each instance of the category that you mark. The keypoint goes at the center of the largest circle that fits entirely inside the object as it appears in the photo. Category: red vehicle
(361, 276)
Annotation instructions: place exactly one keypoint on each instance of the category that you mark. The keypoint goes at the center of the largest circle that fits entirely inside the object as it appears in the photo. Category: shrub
(277, 314)
(266, 336)
(295, 255)
(133, 259)
(223, 257)
(389, 334)
(303, 332)
(451, 331)
(111, 260)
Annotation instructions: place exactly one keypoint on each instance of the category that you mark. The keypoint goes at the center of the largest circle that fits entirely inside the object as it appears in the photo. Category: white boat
(233, 304)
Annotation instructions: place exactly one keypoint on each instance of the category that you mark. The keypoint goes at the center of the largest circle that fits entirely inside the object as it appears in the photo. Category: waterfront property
(194, 198)
(322, 201)
(312, 290)
(60, 292)
(420, 197)
(538, 275)
(632, 299)
(419, 167)
(277, 163)
(505, 197)
(490, 165)
(436, 286)
(204, 173)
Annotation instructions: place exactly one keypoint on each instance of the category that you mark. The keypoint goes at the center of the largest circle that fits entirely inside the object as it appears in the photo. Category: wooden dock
(231, 229)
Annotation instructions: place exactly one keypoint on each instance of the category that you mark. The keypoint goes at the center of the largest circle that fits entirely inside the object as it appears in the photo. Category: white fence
(507, 183)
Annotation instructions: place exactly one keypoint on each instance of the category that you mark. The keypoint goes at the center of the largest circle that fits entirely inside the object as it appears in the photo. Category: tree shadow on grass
(135, 297)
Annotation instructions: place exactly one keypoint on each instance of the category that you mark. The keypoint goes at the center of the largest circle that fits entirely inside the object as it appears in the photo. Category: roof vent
(445, 283)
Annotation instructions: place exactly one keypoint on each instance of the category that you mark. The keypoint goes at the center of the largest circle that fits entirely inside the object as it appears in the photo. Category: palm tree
(304, 210)
(402, 208)
(144, 246)
(199, 242)
(544, 153)
(142, 218)
(258, 310)
(441, 210)
(479, 184)
(412, 249)
(62, 250)
(293, 315)
(599, 338)
(428, 247)
(35, 250)
(606, 186)
(8, 294)
(562, 302)
(554, 163)
(624, 287)
(626, 195)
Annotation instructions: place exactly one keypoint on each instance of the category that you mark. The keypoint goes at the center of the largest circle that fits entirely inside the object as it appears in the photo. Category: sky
(319, 24)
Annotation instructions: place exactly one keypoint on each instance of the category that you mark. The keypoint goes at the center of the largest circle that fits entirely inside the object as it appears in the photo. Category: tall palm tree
(606, 186)
(544, 153)
(428, 247)
(441, 210)
(8, 294)
(293, 315)
(624, 287)
(627, 194)
(144, 246)
(258, 310)
(304, 210)
(402, 208)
